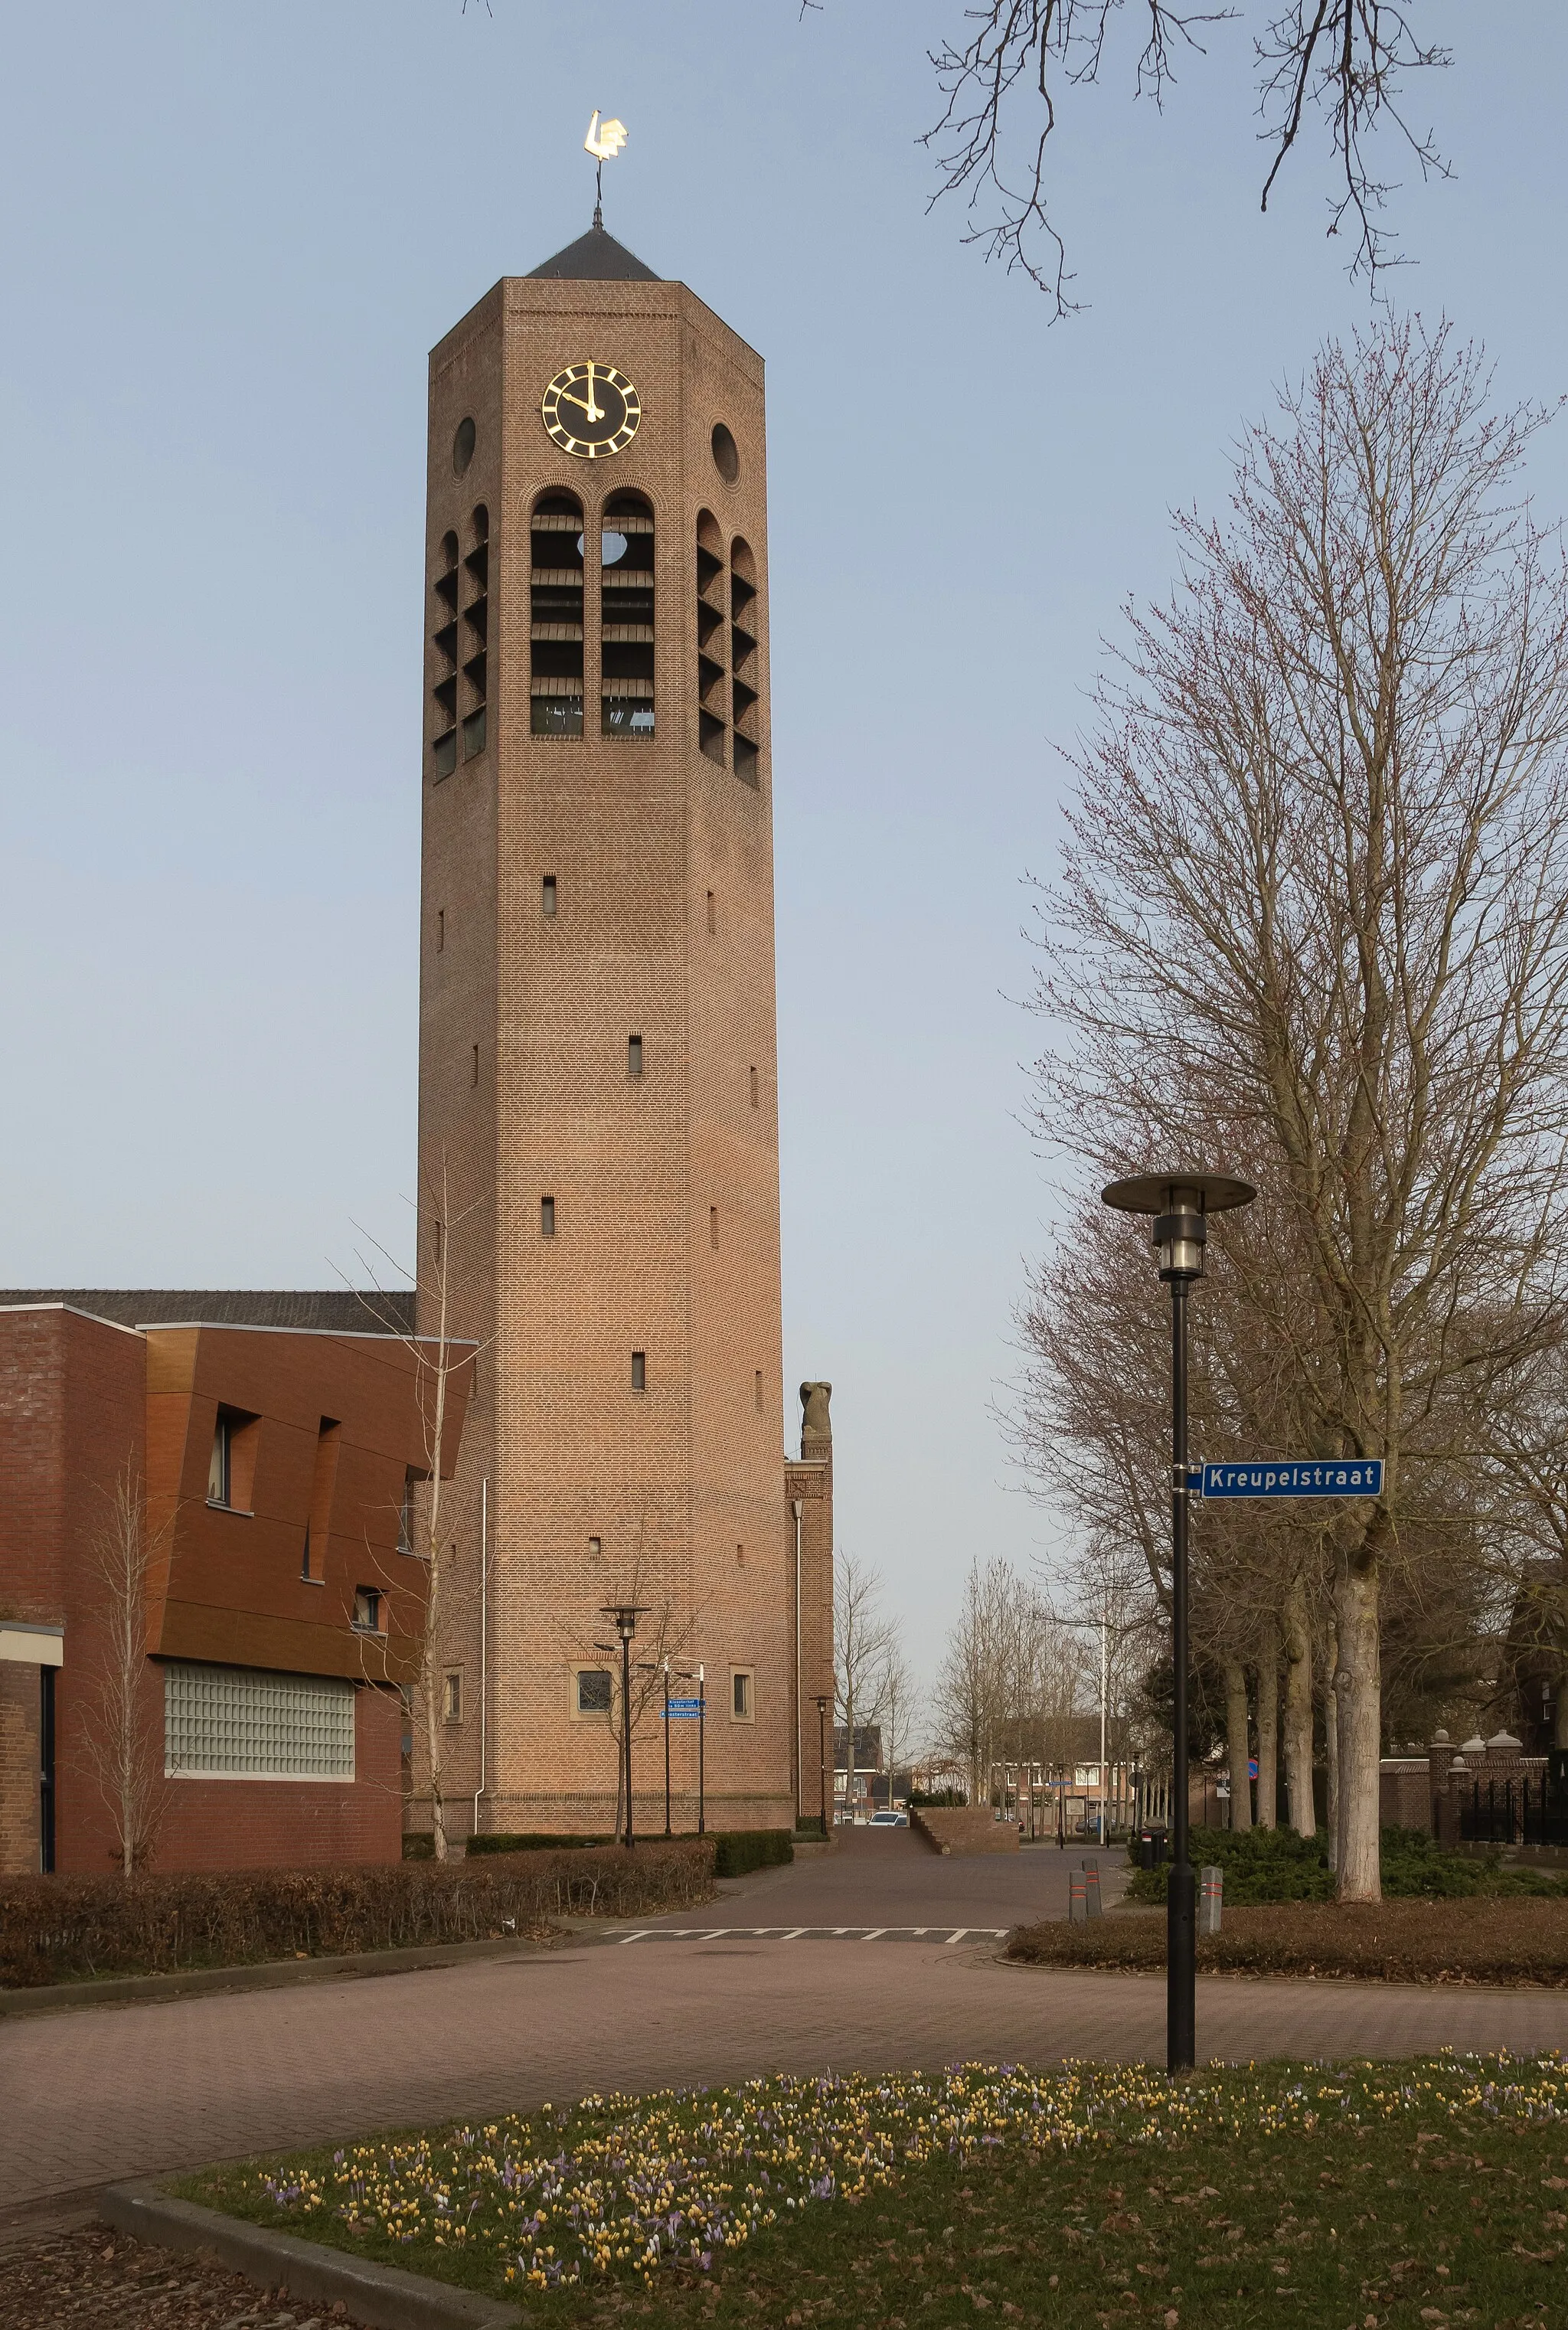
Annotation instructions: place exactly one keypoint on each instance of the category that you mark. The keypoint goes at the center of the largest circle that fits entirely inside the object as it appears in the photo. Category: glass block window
(244, 1723)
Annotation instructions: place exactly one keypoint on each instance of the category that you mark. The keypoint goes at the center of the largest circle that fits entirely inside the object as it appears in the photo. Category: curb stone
(383, 2296)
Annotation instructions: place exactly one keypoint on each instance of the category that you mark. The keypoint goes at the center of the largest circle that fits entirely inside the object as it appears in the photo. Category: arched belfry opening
(475, 634)
(625, 612)
(556, 616)
(745, 684)
(713, 707)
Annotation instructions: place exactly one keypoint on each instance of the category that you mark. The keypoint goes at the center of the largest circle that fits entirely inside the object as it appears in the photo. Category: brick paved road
(91, 2096)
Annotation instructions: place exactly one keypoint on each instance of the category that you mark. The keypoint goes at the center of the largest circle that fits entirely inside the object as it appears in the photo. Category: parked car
(888, 1820)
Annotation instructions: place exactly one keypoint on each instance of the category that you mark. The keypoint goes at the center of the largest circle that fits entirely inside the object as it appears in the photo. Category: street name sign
(1355, 1476)
(685, 1706)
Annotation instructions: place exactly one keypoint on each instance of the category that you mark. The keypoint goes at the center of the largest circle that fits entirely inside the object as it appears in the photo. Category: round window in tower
(726, 454)
(463, 447)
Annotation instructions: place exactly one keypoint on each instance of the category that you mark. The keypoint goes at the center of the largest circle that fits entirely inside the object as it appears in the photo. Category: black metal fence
(1521, 1811)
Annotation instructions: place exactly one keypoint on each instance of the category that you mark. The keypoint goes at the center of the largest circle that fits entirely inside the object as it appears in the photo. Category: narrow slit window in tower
(625, 607)
(754, 1099)
(547, 897)
(713, 1228)
(547, 1218)
(712, 702)
(555, 617)
(634, 1056)
(639, 1371)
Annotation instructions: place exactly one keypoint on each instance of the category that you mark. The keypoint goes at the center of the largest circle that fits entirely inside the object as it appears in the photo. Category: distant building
(266, 1588)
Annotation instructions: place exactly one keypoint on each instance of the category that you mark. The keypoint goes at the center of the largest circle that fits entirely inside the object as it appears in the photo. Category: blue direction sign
(685, 1706)
(1354, 1477)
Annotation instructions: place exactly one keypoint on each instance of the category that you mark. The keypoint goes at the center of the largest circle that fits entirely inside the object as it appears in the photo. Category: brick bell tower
(598, 1091)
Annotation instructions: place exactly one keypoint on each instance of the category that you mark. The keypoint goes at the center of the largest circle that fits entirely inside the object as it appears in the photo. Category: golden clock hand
(566, 397)
(595, 409)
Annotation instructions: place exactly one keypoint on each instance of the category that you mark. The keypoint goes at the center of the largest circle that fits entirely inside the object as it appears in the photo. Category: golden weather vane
(604, 142)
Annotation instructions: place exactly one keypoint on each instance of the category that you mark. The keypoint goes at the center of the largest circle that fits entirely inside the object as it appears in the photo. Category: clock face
(591, 410)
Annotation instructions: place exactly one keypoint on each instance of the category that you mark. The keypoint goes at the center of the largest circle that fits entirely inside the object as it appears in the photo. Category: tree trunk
(1298, 1710)
(1236, 1743)
(1269, 1722)
(1331, 1746)
(1358, 1685)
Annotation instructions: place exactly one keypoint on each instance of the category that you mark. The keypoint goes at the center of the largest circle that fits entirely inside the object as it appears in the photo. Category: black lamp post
(822, 1754)
(624, 1616)
(1180, 1203)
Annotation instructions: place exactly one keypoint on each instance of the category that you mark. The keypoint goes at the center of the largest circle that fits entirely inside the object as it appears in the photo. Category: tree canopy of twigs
(1314, 902)
(1342, 64)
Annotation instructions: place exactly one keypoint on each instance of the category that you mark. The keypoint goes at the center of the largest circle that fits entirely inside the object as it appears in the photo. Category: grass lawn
(1357, 2196)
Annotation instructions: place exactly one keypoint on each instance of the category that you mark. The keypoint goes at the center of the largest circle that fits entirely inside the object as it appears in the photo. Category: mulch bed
(1516, 1944)
(94, 2278)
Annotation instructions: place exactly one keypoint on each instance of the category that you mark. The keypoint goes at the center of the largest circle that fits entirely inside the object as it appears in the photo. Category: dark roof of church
(335, 1310)
(597, 258)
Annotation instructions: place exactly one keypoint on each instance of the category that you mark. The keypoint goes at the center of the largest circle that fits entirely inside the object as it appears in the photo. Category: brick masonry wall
(295, 1824)
(19, 1809)
(964, 1830)
(682, 1483)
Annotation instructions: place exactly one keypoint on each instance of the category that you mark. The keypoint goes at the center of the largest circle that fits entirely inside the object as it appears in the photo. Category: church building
(599, 1105)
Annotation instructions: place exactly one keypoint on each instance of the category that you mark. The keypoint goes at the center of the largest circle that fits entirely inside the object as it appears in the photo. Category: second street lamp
(1180, 1204)
(822, 1757)
(624, 1616)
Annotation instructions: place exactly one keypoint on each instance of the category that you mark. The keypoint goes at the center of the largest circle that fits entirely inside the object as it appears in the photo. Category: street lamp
(1180, 1204)
(623, 1616)
(822, 1705)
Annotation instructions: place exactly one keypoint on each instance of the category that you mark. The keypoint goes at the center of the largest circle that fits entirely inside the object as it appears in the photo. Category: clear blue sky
(231, 235)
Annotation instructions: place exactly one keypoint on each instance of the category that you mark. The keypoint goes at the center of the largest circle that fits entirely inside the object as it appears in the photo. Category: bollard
(1211, 1899)
(1091, 1902)
(1076, 1909)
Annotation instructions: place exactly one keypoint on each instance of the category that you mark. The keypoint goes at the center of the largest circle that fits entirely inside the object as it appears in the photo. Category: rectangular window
(634, 1056)
(322, 1479)
(758, 1391)
(232, 1466)
(712, 916)
(547, 1218)
(713, 1228)
(741, 1706)
(440, 929)
(595, 1547)
(366, 1610)
(547, 897)
(754, 1100)
(220, 1463)
(244, 1723)
(639, 1371)
(452, 1695)
(476, 1076)
(593, 1691)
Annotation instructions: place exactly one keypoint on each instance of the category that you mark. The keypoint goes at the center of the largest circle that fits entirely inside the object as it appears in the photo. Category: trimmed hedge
(937, 1800)
(738, 1851)
(64, 1928)
(500, 1841)
(1263, 1864)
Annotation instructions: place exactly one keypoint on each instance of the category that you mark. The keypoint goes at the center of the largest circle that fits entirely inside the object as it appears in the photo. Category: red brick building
(210, 1606)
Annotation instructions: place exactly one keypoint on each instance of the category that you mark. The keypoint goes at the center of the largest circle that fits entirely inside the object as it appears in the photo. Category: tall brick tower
(598, 1090)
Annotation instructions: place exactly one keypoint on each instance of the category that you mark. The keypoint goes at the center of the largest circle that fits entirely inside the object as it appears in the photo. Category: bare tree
(864, 1639)
(1317, 884)
(1344, 60)
(120, 1738)
(443, 1364)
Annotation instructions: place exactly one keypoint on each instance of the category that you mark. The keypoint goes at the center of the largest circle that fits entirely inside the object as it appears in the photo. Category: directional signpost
(1285, 1476)
(684, 1707)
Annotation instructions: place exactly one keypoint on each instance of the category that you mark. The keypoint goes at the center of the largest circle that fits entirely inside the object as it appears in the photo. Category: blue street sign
(1355, 1476)
(685, 1706)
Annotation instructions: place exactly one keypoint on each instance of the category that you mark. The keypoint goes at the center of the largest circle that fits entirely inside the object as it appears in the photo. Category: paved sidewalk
(89, 2098)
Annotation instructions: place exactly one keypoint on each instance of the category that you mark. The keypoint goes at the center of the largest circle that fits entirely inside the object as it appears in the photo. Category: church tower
(598, 1092)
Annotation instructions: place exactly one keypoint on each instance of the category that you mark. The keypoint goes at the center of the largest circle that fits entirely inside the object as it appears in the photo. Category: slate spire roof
(597, 258)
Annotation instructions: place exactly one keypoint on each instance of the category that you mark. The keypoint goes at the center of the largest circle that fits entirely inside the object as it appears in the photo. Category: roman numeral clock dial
(591, 410)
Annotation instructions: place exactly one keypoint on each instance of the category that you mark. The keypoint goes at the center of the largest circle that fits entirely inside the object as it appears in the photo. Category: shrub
(60, 1928)
(738, 1851)
(499, 1840)
(942, 1800)
(1275, 1864)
